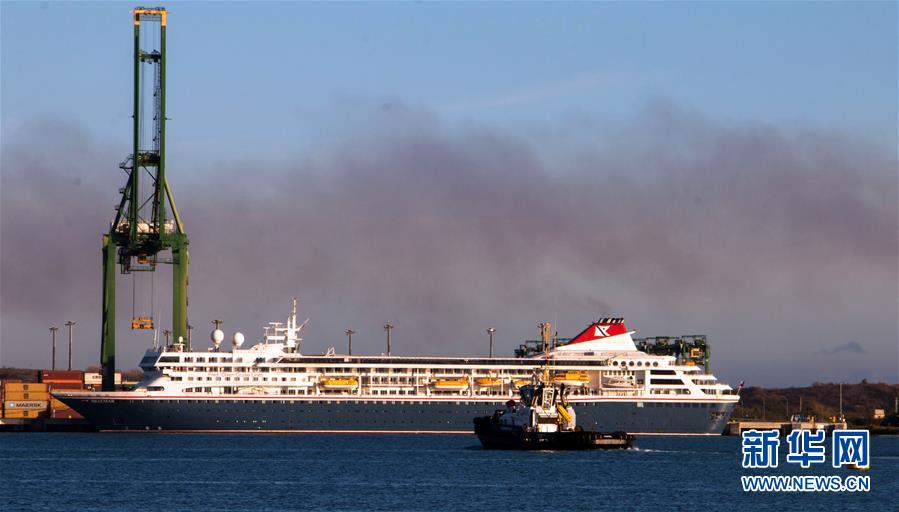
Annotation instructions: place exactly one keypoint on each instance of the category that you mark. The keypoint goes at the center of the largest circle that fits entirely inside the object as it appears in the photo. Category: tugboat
(543, 420)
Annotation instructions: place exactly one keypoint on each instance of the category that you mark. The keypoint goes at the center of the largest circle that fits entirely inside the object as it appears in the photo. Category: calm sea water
(171, 472)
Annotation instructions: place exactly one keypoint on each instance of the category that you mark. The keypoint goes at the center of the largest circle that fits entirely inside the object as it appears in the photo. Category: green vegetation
(822, 401)
(22, 374)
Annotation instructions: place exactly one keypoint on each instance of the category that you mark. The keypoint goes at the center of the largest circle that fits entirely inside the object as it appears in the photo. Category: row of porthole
(631, 363)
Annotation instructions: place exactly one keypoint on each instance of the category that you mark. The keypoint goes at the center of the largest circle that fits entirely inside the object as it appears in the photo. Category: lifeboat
(341, 384)
(450, 384)
(258, 390)
(488, 382)
(522, 382)
(618, 381)
(571, 378)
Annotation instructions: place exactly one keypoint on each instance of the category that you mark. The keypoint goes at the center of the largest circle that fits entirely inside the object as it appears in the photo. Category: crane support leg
(180, 256)
(107, 343)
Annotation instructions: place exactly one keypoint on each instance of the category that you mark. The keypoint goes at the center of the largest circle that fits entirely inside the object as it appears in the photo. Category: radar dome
(237, 339)
(217, 336)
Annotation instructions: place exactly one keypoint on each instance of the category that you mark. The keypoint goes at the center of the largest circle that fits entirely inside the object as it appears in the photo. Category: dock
(737, 427)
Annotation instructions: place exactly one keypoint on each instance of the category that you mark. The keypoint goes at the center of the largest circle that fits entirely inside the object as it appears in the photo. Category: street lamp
(388, 327)
(53, 338)
(70, 324)
(490, 331)
(349, 335)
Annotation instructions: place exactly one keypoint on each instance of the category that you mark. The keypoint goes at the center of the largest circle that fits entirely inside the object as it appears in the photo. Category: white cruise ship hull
(271, 386)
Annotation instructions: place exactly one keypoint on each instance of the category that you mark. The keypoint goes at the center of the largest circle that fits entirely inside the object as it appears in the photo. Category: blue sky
(235, 67)
(697, 167)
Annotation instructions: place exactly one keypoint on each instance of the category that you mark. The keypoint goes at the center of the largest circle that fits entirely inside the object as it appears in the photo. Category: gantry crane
(142, 227)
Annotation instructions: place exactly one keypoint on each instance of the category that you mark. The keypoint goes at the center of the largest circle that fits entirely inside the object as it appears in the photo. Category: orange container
(24, 386)
(29, 405)
(23, 414)
(22, 395)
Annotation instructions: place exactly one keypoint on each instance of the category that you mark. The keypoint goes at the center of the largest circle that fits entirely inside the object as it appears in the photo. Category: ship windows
(657, 380)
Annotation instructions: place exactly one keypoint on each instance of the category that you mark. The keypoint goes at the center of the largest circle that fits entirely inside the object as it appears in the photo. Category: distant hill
(30, 375)
(22, 374)
(821, 400)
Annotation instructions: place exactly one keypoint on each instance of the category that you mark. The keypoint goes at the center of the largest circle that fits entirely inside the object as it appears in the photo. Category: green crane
(142, 227)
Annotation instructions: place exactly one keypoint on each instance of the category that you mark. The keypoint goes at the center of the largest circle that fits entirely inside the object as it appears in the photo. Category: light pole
(490, 331)
(70, 324)
(388, 327)
(53, 338)
(349, 335)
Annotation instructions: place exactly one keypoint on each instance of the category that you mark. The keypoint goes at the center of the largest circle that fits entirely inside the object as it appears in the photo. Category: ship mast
(545, 334)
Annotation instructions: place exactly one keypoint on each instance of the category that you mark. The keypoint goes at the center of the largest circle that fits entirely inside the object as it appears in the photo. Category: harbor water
(198, 472)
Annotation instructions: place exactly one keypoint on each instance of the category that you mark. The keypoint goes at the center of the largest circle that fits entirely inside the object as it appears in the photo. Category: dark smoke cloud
(775, 244)
(851, 347)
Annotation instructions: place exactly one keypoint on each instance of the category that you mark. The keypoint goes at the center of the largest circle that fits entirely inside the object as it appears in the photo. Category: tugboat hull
(492, 436)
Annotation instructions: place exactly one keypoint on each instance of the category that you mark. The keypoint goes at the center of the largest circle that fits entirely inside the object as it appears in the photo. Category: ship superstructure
(273, 386)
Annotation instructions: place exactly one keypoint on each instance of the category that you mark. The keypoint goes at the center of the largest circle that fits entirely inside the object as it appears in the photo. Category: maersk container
(30, 405)
(24, 386)
(24, 395)
(23, 413)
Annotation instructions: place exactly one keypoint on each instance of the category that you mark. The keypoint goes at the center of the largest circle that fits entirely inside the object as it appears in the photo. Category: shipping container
(24, 386)
(20, 395)
(23, 414)
(95, 379)
(62, 375)
(68, 386)
(36, 405)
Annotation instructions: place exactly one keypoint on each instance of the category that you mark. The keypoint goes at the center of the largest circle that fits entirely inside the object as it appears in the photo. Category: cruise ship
(271, 386)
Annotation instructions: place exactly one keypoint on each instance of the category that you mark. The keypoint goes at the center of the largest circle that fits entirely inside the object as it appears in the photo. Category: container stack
(94, 381)
(62, 380)
(23, 400)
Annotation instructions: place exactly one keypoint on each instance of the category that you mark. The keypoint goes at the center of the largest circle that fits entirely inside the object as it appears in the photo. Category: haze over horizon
(451, 176)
